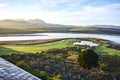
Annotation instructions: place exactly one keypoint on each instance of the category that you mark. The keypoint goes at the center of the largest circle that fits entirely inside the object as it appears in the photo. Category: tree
(88, 59)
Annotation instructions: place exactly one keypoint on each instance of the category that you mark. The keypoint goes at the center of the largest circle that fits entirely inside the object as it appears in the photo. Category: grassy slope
(86, 29)
(104, 50)
(57, 28)
(9, 49)
(38, 47)
(9, 30)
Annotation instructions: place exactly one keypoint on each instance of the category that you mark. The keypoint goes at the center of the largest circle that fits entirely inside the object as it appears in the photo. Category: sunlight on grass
(103, 49)
(41, 47)
(17, 49)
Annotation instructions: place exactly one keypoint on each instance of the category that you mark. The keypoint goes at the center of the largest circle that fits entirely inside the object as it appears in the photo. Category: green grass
(8, 51)
(36, 48)
(84, 29)
(58, 28)
(16, 49)
(107, 51)
(4, 30)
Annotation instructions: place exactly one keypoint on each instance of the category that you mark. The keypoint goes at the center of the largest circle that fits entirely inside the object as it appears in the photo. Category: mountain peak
(36, 21)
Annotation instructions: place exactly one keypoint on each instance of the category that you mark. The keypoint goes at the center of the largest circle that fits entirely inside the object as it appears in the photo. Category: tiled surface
(8, 71)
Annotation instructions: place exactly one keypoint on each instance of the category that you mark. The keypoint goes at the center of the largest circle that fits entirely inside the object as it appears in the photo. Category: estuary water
(89, 43)
(43, 36)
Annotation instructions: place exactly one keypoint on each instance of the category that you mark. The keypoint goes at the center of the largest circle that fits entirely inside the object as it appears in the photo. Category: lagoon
(43, 36)
(88, 43)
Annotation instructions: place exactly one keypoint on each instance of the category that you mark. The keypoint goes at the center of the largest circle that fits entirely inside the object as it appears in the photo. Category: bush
(102, 66)
(40, 74)
(88, 59)
(23, 65)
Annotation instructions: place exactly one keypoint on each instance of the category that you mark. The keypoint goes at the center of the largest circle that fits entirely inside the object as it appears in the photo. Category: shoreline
(30, 42)
(102, 44)
(26, 33)
(43, 41)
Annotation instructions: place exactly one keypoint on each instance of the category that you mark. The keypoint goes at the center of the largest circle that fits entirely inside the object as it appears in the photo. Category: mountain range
(37, 25)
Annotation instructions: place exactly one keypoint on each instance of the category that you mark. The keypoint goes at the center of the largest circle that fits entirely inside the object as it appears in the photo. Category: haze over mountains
(41, 23)
(28, 23)
(37, 25)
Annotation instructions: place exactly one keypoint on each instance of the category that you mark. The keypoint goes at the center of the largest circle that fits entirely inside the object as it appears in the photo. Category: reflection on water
(89, 43)
(39, 36)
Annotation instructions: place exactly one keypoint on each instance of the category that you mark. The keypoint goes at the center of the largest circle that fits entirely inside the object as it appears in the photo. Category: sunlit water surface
(41, 36)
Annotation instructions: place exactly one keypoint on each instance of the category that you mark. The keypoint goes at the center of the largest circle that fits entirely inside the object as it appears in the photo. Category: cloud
(108, 14)
(2, 8)
(53, 5)
(48, 3)
(62, 11)
(2, 5)
(88, 15)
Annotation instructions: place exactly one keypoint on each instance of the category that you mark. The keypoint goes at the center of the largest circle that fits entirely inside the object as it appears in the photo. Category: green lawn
(104, 50)
(5, 49)
(16, 49)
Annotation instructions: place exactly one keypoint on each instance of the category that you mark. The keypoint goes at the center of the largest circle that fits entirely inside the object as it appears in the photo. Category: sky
(67, 12)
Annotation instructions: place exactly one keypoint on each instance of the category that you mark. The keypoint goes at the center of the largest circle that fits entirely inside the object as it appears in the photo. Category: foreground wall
(9, 71)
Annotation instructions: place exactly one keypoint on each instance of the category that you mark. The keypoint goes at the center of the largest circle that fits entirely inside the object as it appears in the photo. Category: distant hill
(28, 23)
(104, 26)
(27, 26)
(36, 21)
(7, 22)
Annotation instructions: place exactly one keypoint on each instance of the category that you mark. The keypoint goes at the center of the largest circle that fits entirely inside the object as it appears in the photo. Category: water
(89, 43)
(41, 36)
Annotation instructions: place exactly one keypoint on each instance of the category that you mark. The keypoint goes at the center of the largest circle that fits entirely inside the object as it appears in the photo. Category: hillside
(31, 26)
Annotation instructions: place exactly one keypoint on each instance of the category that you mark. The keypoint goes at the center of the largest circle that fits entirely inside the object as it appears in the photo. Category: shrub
(88, 59)
(23, 65)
